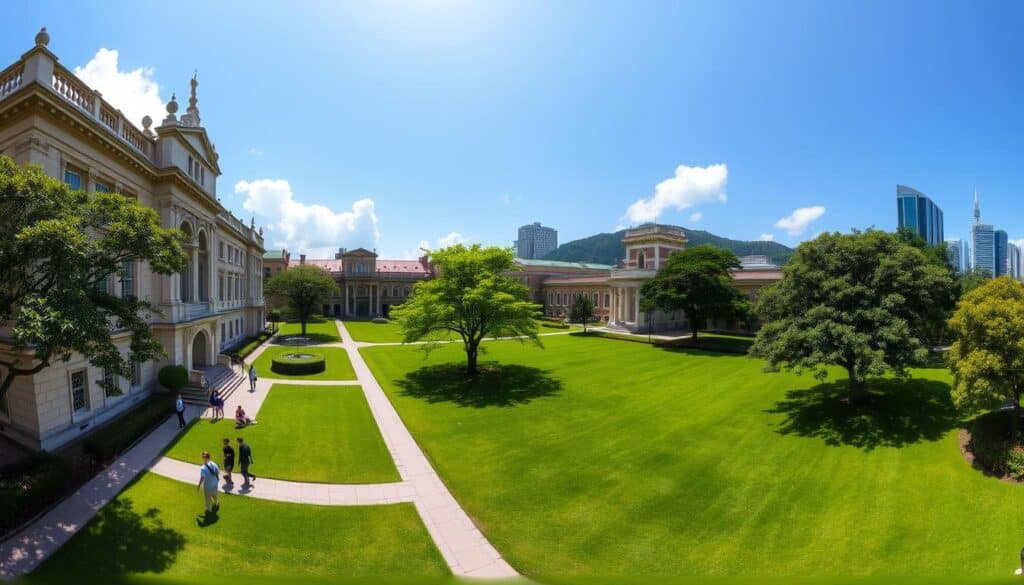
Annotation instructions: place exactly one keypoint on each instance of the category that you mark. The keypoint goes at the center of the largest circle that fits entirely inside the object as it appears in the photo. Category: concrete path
(322, 494)
(464, 547)
(24, 551)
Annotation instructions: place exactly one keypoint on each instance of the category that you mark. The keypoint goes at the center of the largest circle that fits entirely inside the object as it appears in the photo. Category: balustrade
(10, 80)
(72, 90)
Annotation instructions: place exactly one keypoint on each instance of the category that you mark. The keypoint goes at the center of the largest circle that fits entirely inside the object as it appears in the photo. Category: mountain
(607, 248)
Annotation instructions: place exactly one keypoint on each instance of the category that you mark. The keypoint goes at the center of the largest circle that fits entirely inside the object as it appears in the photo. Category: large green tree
(303, 289)
(987, 356)
(473, 296)
(698, 282)
(59, 253)
(863, 301)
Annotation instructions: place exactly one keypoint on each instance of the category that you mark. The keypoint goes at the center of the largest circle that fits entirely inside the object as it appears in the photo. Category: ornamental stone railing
(39, 66)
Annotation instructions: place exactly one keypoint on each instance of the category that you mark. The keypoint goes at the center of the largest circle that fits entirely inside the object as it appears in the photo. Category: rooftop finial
(191, 117)
(42, 37)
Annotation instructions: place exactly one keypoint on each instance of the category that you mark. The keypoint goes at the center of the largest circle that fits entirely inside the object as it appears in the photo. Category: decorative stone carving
(191, 118)
(146, 123)
(172, 108)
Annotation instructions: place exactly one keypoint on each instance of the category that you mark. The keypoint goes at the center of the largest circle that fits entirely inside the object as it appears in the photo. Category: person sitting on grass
(240, 419)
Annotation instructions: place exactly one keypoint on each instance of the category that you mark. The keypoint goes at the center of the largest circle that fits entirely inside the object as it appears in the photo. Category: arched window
(394, 291)
(641, 260)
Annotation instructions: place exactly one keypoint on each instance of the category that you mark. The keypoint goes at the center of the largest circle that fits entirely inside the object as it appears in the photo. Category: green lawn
(305, 433)
(320, 330)
(599, 457)
(156, 526)
(338, 365)
(390, 332)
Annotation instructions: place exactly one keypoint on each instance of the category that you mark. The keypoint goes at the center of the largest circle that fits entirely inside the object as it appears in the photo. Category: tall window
(191, 173)
(220, 251)
(220, 287)
(202, 175)
(101, 188)
(607, 300)
(109, 383)
(136, 380)
(128, 279)
(79, 392)
(73, 179)
(223, 331)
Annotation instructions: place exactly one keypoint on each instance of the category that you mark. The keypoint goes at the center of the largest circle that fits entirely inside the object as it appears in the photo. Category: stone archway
(200, 350)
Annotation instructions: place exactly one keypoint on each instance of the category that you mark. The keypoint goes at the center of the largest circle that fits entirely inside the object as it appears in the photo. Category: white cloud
(133, 92)
(767, 237)
(689, 187)
(509, 201)
(1019, 243)
(315, 230)
(696, 216)
(450, 240)
(255, 152)
(796, 222)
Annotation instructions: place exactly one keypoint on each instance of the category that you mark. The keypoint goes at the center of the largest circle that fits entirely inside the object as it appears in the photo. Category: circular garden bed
(298, 363)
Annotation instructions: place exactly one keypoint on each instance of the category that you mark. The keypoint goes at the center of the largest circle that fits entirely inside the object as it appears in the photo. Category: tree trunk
(471, 354)
(857, 388)
(1015, 425)
(303, 321)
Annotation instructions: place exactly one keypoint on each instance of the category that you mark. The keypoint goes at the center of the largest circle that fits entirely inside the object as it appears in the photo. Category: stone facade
(50, 118)
(368, 286)
(275, 262)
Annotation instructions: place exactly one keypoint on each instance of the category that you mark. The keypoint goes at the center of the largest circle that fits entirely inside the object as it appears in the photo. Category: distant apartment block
(536, 241)
(916, 211)
(1002, 251)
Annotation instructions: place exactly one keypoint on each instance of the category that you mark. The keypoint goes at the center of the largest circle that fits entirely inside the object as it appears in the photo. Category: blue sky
(390, 124)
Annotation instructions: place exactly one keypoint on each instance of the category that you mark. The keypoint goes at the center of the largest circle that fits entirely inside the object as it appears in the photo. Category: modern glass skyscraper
(1002, 248)
(983, 243)
(916, 211)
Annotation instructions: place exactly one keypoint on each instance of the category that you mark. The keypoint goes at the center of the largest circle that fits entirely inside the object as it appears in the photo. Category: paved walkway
(465, 549)
(24, 551)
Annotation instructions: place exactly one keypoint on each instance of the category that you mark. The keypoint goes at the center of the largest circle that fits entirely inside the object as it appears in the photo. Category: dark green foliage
(173, 377)
(607, 248)
(582, 310)
(698, 282)
(249, 345)
(304, 289)
(61, 252)
(864, 301)
(298, 366)
(27, 488)
(109, 441)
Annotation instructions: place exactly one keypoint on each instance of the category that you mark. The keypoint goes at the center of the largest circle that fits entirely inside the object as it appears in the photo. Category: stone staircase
(219, 377)
(617, 328)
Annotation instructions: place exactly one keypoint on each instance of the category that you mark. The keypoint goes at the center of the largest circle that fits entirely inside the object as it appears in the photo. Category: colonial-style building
(368, 286)
(50, 118)
(616, 292)
(275, 262)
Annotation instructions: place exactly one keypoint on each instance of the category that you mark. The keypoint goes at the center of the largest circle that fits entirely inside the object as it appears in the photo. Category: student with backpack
(209, 481)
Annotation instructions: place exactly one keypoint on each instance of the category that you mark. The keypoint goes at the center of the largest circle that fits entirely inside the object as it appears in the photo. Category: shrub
(173, 378)
(1015, 462)
(380, 320)
(298, 366)
(247, 346)
(27, 488)
(992, 444)
(112, 439)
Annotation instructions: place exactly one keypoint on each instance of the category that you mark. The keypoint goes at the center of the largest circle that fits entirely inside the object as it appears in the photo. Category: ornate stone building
(50, 118)
(616, 291)
(368, 286)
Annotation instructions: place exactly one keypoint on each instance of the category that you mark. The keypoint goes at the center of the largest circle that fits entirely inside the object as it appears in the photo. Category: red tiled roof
(400, 266)
(389, 266)
(330, 264)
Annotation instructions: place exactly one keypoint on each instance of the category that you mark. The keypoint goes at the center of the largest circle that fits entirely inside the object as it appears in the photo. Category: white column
(636, 305)
(194, 273)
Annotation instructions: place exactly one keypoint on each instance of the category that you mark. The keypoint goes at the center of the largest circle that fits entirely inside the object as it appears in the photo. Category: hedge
(249, 345)
(27, 488)
(282, 364)
(173, 377)
(112, 439)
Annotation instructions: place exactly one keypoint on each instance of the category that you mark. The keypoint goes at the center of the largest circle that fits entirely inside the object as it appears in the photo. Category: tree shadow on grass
(120, 541)
(495, 384)
(899, 412)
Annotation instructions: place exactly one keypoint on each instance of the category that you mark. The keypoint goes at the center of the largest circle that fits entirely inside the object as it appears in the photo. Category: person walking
(245, 460)
(179, 409)
(229, 461)
(252, 378)
(209, 481)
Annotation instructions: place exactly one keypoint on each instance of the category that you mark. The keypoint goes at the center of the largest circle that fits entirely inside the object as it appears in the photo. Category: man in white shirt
(179, 409)
(209, 481)
(252, 378)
